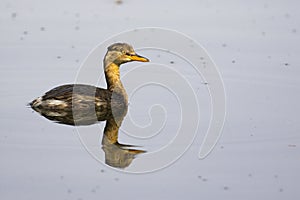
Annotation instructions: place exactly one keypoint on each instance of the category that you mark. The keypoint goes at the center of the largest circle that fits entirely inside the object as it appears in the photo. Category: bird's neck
(114, 84)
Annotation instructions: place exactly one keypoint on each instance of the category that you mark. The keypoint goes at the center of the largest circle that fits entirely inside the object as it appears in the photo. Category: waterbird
(84, 99)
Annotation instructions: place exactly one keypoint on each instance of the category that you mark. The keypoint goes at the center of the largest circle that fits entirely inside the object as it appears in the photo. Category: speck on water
(13, 15)
(226, 188)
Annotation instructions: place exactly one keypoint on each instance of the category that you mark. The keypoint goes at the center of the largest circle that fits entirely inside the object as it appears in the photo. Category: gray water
(255, 46)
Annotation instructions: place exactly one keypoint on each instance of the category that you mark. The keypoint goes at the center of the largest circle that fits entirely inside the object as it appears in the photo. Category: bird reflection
(116, 154)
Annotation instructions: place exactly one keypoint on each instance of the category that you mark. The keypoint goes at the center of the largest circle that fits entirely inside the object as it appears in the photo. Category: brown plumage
(73, 103)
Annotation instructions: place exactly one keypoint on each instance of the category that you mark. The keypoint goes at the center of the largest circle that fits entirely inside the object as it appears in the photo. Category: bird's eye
(124, 52)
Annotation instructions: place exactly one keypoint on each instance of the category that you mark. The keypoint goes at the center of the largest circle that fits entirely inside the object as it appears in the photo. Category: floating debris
(171, 62)
(42, 29)
(224, 45)
(226, 188)
(118, 2)
(58, 57)
(77, 28)
(286, 64)
(233, 61)
(287, 15)
(25, 32)
(13, 15)
(292, 145)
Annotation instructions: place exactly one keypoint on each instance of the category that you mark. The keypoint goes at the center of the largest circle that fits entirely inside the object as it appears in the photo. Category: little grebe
(86, 98)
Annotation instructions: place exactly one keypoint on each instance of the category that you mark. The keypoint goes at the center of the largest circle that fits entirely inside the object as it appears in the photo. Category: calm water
(255, 46)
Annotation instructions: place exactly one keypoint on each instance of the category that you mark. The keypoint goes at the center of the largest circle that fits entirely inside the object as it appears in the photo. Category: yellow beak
(139, 58)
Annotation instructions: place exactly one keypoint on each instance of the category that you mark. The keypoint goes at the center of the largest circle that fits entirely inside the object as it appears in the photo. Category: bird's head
(120, 53)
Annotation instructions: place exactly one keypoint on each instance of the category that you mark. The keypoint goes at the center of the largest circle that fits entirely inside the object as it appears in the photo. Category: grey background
(256, 46)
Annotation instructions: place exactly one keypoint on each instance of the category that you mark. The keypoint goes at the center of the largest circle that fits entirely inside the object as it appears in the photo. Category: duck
(75, 101)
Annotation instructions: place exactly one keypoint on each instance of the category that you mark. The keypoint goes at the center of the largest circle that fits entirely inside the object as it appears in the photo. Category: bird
(72, 102)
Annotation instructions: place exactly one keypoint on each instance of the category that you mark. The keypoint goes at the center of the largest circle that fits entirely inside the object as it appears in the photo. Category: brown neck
(110, 132)
(112, 75)
(114, 84)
